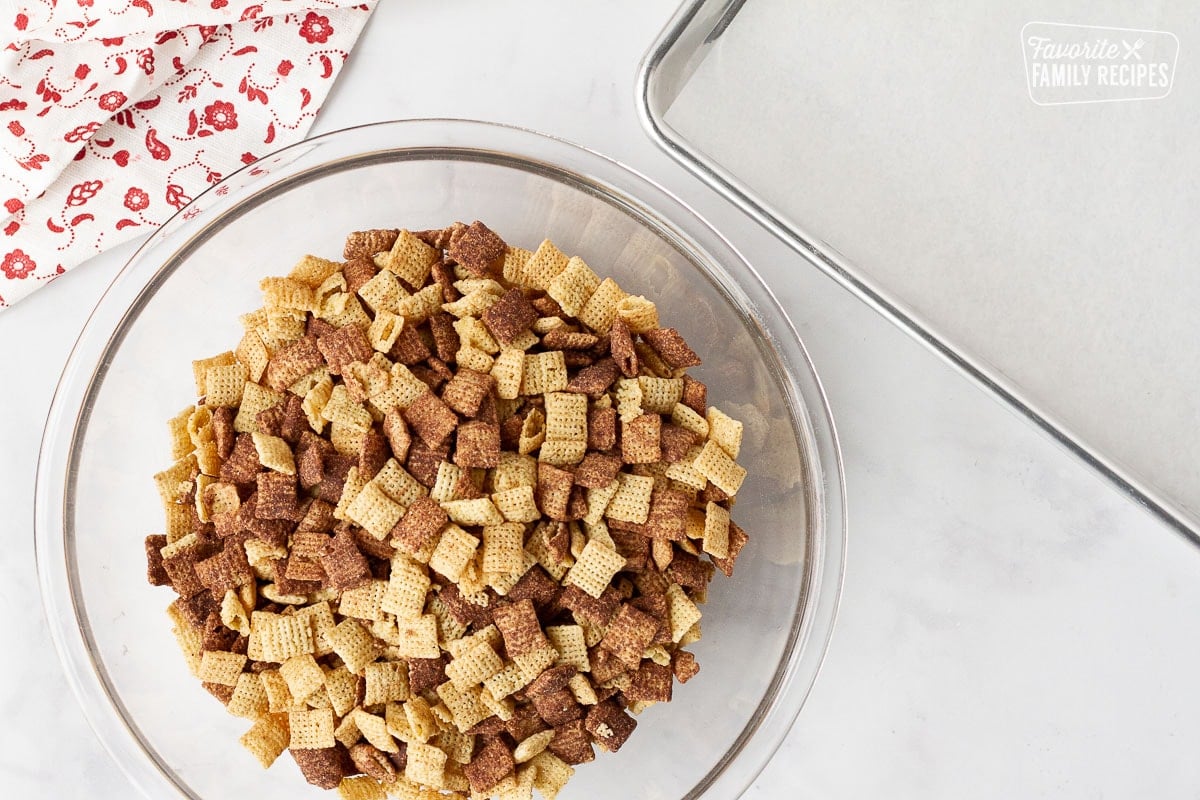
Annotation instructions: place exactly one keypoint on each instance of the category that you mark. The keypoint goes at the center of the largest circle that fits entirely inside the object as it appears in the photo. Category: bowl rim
(817, 607)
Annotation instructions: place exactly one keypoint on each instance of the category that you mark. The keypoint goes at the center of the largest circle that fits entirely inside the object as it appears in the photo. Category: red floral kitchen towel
(115, 113)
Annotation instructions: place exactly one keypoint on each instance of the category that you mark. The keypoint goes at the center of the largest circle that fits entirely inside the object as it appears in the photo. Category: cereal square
(354, 645)
(511, 315)
(477, 444)
(518, 624)
(375, 511)
(302, 675)
(311, 730)
(716, 465)
(629, 634)
(640, 439)
(418, 637)
(491, 764)
(609, 725)
(453, 552)
(431, 418)
(595, 568)
(595, 380)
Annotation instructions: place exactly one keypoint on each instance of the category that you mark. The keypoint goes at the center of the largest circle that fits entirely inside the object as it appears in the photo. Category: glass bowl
(765, 630)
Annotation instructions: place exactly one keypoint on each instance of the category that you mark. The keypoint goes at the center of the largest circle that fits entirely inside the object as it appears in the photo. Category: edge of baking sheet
(666, 68)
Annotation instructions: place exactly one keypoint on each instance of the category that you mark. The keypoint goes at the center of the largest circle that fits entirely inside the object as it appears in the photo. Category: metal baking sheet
(1015, 184)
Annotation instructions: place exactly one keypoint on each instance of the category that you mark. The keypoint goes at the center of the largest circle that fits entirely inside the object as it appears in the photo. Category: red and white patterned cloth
(115, 113)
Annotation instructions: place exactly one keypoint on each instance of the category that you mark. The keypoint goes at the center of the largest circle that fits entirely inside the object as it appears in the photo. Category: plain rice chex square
(595, 568)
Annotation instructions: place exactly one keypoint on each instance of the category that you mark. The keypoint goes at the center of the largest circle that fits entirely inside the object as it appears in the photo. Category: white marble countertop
(1011, 626)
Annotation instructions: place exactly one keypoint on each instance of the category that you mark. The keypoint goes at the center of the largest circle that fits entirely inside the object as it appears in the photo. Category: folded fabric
(115, 113)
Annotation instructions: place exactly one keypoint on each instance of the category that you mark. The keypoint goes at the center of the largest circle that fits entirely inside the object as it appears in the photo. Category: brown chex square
(431, 418)
(598, 612)
(466, 390)
(491, 764)
(630, 633)
(155, 574)
(684, 665)
(477, 248)
(597, 470)
(410, 348)
(345, 346)
(242, 464)
(651, 682)
(487, 411)
(345, 566)
(537, 586)
(676, 442)
(365, 244)
(324, 767)
(359, 270)
(223, 432)
(671, 348)
(375, 548)
(477, 444)
(518, 624)
(554, 491)
(217, 637)
(316, 327)
(425, 674)
(621, 346)
(595, 379)
(270, 420)
(668, 515)
(226, 570)
(558, 707)
(373, 453)
(525, 722)
(304, 569)
(576, 359)
(286, 585)
(443, 276)
(640, 439)
(463, 609)
(712, 494)
(292, 362)
(423, 461)
(572, 744)
(609, 725)
(695, 395)
(181, 569)
(554, 679)
(295, 421)
(276, 496)
(310, 543)
(547, 306)
(689, 571)
(562, 338)
(445, 338)
(602, 428)
(558, 542)
(489, 727)
(419, 526)
(509, 316)
(397, 433)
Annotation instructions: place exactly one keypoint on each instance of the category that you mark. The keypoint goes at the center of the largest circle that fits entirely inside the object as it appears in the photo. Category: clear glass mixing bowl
(765, 630)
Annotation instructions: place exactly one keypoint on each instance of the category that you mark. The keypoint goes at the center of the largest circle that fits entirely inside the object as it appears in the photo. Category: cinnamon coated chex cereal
(445, 470)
